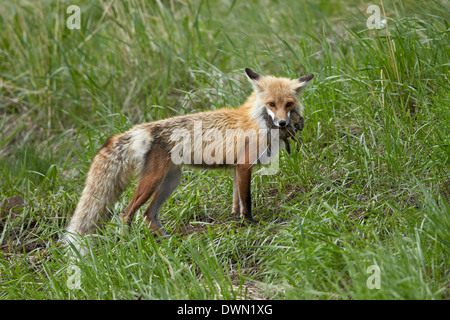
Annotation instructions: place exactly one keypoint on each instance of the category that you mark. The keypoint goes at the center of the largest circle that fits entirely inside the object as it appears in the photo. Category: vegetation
(368, 184)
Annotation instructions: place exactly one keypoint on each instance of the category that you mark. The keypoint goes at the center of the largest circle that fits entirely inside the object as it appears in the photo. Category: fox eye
(271, 104)
(289, 104)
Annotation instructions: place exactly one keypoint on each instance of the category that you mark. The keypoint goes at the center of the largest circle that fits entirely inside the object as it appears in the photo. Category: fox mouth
(290, 124)
(272, 123)
(282, 123)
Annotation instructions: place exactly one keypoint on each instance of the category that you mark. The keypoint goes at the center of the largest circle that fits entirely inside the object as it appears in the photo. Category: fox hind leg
(157, 168)
(167, 186)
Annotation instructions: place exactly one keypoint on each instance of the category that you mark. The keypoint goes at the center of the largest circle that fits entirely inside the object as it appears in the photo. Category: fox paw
(246, 222)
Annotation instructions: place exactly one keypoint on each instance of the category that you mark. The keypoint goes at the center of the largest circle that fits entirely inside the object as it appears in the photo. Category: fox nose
(282, 123)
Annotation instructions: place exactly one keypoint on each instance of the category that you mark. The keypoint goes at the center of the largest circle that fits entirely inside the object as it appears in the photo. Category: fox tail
(107, 178)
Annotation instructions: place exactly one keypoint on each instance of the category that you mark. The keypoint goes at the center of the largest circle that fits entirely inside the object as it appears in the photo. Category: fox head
(277, 96)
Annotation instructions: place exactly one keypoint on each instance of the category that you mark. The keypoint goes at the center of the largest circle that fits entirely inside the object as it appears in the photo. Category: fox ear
(251, 74)
(302, 82)
(254, 79)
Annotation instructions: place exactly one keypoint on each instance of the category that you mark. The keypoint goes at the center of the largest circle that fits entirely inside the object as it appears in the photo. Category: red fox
(152, 151)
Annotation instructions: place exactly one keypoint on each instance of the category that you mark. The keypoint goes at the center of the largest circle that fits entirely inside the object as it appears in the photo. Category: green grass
(368, 185)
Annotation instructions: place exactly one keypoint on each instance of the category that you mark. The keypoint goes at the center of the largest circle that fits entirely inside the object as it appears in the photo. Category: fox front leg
(243, 179)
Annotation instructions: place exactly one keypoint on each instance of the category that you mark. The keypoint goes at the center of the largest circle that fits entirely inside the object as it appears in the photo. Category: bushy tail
(108, 176)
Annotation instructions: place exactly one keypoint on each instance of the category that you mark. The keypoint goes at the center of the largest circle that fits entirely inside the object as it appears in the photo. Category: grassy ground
(368, 186)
